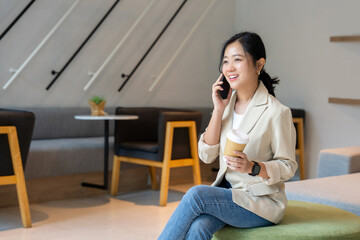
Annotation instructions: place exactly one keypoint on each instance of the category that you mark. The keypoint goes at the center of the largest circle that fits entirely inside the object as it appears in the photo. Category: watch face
(257, 169)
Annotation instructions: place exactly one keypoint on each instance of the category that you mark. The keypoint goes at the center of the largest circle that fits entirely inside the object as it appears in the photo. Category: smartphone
(226, 86)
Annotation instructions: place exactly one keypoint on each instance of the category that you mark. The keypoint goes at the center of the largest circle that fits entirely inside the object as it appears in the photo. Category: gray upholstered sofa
(62, 145)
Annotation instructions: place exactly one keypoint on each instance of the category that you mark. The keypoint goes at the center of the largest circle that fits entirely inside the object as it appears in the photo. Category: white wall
(311, 69)
(296, 34)
(184, 85)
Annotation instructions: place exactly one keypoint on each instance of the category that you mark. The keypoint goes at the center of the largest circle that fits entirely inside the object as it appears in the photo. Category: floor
(132, 216)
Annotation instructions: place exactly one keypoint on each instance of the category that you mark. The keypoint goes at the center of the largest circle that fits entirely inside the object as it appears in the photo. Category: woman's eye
(225, 61)
(237, 59)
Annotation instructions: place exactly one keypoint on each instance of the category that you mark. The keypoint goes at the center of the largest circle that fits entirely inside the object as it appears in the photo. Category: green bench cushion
(302, 220)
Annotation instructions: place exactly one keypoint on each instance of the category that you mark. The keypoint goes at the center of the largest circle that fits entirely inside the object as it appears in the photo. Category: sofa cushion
(339, 161)
(56, 157)
(338, 191)
(302, 220)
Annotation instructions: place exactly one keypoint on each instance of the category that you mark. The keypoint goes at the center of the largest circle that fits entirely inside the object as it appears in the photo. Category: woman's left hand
(239, 163)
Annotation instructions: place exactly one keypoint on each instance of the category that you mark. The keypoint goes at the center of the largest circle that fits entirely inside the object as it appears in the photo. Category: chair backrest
(298, 113)
(24, 123)
(151, 127)
(181, 144)
(144, 129)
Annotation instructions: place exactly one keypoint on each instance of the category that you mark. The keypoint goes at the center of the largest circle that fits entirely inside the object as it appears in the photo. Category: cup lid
(238, 136)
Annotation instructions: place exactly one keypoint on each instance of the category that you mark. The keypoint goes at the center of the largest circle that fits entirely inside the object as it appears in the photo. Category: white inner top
(237, 119)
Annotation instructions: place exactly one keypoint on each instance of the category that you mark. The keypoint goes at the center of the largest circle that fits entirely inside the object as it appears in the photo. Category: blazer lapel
(256, 108)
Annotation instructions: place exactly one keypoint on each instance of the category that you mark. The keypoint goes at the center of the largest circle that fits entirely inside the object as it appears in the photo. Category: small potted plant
(97, 105)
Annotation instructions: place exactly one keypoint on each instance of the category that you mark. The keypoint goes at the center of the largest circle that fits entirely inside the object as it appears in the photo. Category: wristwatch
(255, 169)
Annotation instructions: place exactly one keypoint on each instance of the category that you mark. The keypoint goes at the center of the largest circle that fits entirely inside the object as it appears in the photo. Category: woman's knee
(197, 191)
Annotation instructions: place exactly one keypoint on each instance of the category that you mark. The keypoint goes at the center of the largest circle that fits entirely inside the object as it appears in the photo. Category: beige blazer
(272, 139)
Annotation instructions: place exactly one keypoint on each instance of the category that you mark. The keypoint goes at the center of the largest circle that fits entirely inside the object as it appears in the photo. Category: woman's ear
(260, 64)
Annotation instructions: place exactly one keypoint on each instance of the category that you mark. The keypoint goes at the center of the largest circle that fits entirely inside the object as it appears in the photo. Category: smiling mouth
(233, 77)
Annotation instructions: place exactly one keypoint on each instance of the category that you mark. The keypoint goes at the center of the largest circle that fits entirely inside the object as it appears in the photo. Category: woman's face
(238, 67)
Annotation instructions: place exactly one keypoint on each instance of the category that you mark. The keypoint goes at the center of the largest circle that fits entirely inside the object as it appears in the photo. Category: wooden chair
(163, 138)
(13, 155)
(298, 119)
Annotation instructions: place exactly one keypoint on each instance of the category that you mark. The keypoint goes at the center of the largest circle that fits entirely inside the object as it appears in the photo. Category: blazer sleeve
(207, 153)
(283, 165)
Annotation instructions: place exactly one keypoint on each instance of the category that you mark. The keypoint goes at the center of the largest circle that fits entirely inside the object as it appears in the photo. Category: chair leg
(196, 172)
(165, 170)
(115, 176)
(153, 178)
(24, 204)
(164, 187)
(301, 147)
(20, 179)
(194, 154)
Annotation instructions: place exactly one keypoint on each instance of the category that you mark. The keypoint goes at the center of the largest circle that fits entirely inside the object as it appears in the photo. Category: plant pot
(97, 109)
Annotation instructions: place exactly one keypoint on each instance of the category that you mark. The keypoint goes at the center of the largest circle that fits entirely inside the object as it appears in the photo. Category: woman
(242, 195)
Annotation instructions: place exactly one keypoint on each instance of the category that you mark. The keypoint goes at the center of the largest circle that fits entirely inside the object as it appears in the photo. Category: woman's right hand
(219, 103)
(213, 131)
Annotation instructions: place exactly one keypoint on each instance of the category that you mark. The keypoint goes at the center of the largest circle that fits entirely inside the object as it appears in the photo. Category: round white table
(106, 119)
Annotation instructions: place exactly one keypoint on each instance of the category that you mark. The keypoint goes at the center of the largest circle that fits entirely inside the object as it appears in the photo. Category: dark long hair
(253, 45)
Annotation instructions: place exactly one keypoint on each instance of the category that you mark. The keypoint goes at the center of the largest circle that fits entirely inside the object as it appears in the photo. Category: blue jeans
(205, 210)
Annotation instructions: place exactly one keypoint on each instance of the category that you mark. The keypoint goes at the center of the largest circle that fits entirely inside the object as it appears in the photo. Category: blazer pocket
(261, 189)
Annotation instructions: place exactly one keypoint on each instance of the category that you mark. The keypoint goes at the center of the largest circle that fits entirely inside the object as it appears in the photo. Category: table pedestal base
(84, 184)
